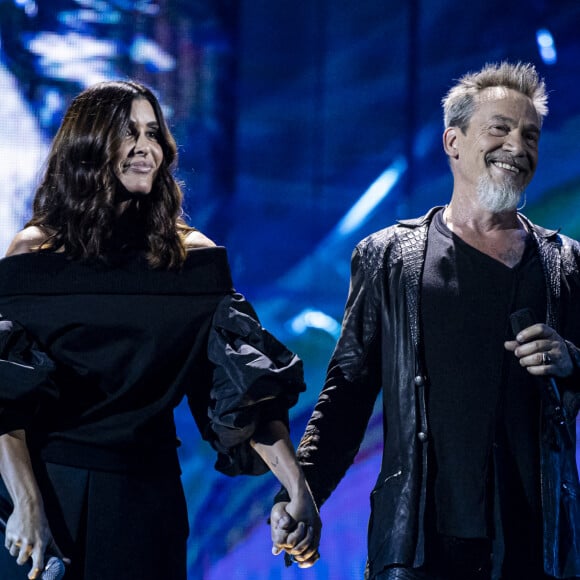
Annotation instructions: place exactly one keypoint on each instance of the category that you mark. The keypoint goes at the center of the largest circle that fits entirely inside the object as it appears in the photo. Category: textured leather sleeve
(338, 423)
(571, 395)
(570, 256)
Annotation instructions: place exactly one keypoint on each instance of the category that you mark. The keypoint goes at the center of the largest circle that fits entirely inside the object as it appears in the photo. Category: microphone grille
(54, 569)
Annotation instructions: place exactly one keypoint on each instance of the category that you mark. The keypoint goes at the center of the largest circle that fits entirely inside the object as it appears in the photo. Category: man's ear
(450, 141)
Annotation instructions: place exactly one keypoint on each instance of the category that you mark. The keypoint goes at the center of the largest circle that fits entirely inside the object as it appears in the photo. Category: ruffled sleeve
(25, 377)
(255, 379)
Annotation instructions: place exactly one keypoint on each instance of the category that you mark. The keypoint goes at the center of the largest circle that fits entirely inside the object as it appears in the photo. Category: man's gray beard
(498, 198)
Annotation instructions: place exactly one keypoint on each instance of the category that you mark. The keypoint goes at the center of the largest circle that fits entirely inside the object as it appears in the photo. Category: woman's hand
(295, 529)
(28, 536)
(295, 525)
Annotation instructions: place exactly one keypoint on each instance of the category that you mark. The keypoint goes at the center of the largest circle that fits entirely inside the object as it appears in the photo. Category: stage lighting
(546, 46)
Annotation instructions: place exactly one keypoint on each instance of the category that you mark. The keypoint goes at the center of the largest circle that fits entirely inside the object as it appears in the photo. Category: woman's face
(140, 155)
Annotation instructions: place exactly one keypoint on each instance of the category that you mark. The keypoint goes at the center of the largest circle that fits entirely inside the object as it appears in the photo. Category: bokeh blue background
(302, 127)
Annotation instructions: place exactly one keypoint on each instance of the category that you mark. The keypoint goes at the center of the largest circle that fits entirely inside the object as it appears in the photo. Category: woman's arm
(27, 532)
(297, 531)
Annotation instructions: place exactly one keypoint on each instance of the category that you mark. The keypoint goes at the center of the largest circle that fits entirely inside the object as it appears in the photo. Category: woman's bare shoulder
(27, 240)
(195, 239)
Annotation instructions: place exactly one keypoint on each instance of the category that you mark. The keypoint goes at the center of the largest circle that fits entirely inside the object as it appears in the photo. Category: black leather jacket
(380, 349)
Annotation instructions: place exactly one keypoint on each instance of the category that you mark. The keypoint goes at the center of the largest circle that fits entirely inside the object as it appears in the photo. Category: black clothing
(112, 525)
(137, 340)
(381, 348)
(466, 300)
(449, 558)
(128, 342)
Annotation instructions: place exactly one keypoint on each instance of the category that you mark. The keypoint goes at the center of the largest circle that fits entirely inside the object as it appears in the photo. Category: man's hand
(541, 351)
(299, 539)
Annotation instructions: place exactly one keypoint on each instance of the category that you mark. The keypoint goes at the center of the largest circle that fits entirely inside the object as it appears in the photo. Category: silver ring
(546, 360)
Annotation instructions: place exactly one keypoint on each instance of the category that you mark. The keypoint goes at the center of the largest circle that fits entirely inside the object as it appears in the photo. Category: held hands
(541, 351)
(295, 525)
(295, 528)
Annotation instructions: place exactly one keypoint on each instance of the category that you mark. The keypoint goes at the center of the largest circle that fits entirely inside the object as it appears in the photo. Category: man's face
(500, 146)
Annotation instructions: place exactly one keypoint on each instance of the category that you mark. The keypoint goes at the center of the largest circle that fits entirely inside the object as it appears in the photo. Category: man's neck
(502, 236)
(478, 220)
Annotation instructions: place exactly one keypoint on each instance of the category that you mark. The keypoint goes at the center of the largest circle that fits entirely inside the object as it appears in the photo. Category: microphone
(522, 319)
(54, 569)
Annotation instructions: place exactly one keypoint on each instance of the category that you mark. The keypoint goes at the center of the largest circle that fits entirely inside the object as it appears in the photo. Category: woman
(114, 310)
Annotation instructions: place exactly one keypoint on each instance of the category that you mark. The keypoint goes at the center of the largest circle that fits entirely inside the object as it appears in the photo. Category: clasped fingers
(305, 552)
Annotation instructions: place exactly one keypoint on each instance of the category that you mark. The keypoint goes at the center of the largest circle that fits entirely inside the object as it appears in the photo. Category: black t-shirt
(479, 397)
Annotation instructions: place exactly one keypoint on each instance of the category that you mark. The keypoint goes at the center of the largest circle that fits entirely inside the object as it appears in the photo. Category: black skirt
(112, 525)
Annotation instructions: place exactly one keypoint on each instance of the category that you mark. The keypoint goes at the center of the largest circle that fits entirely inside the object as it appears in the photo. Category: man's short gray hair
(460, 102)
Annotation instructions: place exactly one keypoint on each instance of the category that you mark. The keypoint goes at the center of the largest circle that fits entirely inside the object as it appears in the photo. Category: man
(478, 476)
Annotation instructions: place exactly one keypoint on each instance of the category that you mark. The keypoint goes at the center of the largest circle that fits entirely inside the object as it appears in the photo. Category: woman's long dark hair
(77, 201)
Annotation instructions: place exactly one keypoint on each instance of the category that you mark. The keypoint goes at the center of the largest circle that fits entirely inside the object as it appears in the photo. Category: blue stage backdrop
(303, 126)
